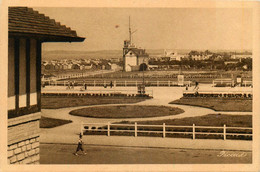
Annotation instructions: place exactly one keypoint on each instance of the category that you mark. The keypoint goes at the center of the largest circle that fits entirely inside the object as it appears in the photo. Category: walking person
(80, 144)
(111, 84)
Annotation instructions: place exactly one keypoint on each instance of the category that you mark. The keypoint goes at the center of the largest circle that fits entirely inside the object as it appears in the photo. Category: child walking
(80, 144)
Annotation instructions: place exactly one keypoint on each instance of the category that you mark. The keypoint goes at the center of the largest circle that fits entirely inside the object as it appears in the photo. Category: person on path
(80, 144)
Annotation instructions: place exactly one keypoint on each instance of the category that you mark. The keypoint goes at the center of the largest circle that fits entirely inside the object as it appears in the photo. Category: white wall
(22, 73)
(33, 66)
(11, 88)
(130, 60)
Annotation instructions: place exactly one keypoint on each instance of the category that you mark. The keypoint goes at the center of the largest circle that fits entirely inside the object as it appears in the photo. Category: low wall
(97, 94)
(219, 94)
(23, 139)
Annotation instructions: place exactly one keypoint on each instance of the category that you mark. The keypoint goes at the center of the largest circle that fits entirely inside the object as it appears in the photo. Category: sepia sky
(157, 28)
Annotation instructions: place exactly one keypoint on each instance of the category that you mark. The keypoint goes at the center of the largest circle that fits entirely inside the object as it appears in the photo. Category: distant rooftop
(25, 21)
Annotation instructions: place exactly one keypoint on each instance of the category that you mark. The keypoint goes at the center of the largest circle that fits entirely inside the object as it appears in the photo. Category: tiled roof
(26, 21)
(139, 52)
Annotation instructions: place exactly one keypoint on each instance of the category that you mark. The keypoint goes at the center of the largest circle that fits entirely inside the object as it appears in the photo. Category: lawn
(206, 120)
(52, 122)
(123, 111)
(217, 104)
(216, 120)
(55, 102)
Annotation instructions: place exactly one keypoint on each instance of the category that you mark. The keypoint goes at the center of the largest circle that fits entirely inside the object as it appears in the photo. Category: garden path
(162, 96)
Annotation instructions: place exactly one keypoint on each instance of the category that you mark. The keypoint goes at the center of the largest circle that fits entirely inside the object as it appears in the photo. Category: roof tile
(26, 20)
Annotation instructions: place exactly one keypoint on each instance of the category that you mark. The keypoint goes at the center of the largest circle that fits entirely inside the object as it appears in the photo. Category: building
(170, 55)
(27, 31)
(134, 58)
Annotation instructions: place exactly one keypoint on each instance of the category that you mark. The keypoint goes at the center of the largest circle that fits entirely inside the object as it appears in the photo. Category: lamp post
(143, 71)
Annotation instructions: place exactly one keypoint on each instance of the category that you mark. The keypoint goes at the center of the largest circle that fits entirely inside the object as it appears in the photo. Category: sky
(157, 28)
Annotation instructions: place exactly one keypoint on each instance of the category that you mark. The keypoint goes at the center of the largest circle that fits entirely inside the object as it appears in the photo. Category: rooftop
(25, 21)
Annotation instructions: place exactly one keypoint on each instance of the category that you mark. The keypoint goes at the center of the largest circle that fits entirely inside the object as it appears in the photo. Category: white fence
(96, 92)
(230, 82)
(117, 83)
(162, 129)
(244, 94)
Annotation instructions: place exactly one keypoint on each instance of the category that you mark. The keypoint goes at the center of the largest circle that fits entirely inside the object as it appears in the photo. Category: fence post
(108, 129)
(81, 128)
(224, 130)
(135, 129)
(163, 130)
(193, 131)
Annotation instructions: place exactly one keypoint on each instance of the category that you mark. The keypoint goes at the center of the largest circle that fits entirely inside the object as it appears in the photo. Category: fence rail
(94, 92)
(116, 83)
(164, 129)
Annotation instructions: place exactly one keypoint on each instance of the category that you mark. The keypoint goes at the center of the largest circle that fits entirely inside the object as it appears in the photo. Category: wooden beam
(28, 78)
(38, 72)
(16, 73)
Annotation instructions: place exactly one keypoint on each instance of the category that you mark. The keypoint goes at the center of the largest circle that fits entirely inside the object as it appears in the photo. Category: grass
(206, 120)
(52, 122)
(56, 102)
(217, 104)
(133, 111)
(217, 120)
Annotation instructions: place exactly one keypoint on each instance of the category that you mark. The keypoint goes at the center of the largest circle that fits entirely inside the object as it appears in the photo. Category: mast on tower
(130, 33)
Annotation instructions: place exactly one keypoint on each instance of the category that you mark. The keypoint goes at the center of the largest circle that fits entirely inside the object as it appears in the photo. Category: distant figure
(80, 144)
(85, 85)
(196, 88)
(111, 84)
(196, 84)
(187, 87)
(68, 85)
(72, 84)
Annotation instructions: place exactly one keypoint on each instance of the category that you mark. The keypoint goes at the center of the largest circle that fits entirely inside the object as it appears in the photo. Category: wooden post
(163, 130)
(108, 129)
(135, 129)
(169, 83)
(81, 128)
(193, 131)
(224, 131)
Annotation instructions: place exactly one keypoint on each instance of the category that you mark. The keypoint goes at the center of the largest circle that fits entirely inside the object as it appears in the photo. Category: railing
(101, 92)
(237, 94)
(231, 82)
(117, 83)
(163, 129)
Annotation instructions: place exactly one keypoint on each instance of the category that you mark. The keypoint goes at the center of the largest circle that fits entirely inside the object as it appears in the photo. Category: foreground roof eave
(47, 38)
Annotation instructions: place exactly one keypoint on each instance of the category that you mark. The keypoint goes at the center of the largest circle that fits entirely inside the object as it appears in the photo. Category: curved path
(162, 96)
